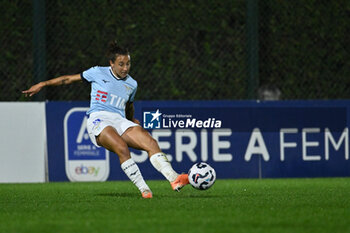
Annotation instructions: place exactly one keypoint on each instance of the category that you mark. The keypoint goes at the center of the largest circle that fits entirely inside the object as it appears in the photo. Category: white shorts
(100, 120)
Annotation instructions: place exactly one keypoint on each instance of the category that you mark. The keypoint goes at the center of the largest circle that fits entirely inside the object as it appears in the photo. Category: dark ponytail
(114, 50)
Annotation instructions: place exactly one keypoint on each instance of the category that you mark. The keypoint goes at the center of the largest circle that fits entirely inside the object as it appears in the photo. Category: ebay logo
(84, 170)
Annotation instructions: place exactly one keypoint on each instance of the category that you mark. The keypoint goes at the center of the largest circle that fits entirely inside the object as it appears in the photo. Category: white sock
(161, 163)
(133, 172)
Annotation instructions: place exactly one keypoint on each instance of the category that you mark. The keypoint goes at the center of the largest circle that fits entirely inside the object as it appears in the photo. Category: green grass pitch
(242, 205)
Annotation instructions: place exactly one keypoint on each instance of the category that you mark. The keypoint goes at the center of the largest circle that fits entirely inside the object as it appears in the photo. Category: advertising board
(240, 139)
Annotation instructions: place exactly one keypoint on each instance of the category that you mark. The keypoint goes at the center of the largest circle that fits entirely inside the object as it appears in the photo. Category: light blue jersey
(108, 92)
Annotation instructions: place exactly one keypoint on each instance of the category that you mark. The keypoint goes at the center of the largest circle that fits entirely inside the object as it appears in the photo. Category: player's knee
(152, 144)
(122, 150)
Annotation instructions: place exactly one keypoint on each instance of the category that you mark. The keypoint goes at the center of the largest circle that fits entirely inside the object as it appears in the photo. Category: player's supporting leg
(131, 169)
(139, 138)
(110, 139)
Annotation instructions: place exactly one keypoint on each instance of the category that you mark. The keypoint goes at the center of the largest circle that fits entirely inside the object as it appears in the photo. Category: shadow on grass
(155, 195)
(119, 195)
(197, 196)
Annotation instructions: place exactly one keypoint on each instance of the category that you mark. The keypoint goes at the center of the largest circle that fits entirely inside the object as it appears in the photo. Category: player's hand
(33, 90)
(136, 121)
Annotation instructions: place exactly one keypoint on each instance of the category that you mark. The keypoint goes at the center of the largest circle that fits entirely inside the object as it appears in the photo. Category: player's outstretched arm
(62, 80)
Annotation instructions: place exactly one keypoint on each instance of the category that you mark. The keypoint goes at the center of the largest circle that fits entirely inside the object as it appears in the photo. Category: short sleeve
(132, 96)
(89, 75)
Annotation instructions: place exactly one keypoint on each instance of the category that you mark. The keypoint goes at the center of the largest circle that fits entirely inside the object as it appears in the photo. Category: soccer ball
(201, 176)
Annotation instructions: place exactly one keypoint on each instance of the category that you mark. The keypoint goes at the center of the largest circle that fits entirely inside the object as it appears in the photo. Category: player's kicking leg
(139, 138)
(161, 163)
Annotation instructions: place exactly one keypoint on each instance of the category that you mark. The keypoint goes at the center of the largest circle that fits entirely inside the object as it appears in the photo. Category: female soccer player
(111, 123)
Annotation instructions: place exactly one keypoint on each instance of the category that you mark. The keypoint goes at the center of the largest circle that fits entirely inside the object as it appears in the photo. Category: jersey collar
(115, 76)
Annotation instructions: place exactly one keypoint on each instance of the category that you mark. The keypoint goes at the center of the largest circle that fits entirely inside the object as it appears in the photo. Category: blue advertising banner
(240, 139)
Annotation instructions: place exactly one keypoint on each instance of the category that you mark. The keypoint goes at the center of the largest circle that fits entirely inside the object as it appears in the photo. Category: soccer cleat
(147, 194)
(180, 182)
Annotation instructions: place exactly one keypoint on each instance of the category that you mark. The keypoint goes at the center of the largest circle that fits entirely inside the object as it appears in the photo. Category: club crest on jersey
(128, 89)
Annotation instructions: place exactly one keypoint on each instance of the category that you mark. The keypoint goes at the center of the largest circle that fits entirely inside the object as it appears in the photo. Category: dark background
(181, 50)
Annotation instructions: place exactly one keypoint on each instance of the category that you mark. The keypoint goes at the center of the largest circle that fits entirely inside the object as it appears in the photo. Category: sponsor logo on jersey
(101, 96)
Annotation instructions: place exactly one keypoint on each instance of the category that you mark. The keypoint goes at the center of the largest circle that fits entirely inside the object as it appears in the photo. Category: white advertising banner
(23, 142)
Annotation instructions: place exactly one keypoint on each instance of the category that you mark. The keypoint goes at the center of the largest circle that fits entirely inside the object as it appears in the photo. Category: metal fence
(181, 49)
(304, 48)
